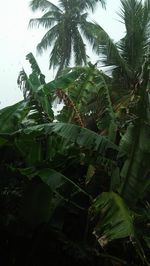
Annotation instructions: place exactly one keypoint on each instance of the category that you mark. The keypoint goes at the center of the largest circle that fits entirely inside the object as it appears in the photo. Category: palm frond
(54, 14)
(48, 39)
(55, 55)
(110, 49)
(65, 47)
(134, 43)
(78, 48)
(43, 5)
(43, 22)
(90, 4)
(147, 5)
(88, 30)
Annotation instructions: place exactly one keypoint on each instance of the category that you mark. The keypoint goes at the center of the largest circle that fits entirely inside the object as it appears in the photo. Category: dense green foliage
(74, 186)
(54, 173)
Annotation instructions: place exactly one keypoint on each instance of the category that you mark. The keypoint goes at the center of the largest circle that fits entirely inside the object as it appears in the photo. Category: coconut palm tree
(65, 23)
(128, 54)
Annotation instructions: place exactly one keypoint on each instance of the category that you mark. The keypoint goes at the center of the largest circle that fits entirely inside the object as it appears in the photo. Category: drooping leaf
(75, 134)
(12, 116)
(114, 218)
(35, 67)
(36, 93)
(60, 184)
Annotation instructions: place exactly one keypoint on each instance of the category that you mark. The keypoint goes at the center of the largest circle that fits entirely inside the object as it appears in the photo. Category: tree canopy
(67, 26)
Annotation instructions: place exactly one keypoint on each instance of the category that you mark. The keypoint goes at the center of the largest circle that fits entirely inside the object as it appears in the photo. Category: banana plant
(34, 92)
(87, 101)
(64, 161)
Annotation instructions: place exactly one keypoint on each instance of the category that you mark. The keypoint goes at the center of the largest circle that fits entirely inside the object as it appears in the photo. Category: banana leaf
(12, 116)
(114, 218)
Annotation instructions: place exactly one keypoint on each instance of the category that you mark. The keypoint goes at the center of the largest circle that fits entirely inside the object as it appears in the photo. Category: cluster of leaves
(74, 187)
(54, 173)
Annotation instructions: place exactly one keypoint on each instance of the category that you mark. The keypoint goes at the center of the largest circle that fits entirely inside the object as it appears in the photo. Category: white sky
(16, 40)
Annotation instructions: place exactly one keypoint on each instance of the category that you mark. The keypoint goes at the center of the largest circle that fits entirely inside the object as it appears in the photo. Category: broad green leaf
(75, 134)
(135, 143)
(36, 92)
(63, 81)
(12, 116)
(134, 173)
(30, 148)
(45, 101)
(61, 185)
(115, 219)
(35, 68)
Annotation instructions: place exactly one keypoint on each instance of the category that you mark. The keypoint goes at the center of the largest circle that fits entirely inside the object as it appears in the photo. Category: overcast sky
(16, 40)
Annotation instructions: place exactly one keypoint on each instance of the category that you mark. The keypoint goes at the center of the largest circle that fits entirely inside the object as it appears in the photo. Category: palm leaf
(43, 5)
(48, 39)
(106, 46)
(134, 43)
(43, 22)
(79, 48)
(128, 53)
(90, 4)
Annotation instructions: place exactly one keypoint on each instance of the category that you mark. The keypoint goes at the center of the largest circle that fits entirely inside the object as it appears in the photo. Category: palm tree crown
(65, 23)
(128, 54)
